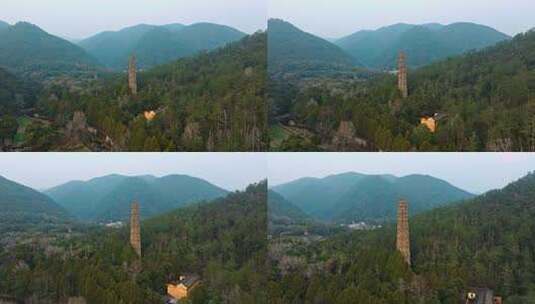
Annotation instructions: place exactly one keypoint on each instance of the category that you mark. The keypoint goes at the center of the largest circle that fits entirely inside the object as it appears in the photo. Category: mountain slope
(223, 241)
(28, 50)
(23, 206)
(15, 93)
(376, 197)
(109, 197)
(314, 195)
(213, 101)
(81, 198)
(487, 241)
(113, 48)
(351, 196)
(290, 48)
(3, 25)
(423, 44)
(155, 45)
(279, 208)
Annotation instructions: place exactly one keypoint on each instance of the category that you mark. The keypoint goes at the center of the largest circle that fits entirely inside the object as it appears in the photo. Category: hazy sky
(474, 172)
(337, 18)
(231, 171)
(83, 18)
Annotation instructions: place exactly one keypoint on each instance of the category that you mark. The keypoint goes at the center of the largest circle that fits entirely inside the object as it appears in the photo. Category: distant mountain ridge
(109, 197)
(280, 208)
(4, 25)
(27, 49)
(289, 47)
(155, 45)
(23, 206)
(423, 44)
(358, 197)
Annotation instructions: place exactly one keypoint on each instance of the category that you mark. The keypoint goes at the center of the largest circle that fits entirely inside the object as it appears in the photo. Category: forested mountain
(210, 102)
(21, 206)
(289, 49)
(357, 197)
(31, 52)
(223, 241)
(109, 197)
(3, 25)
(483, 101)
(281, 209)
(15, 93)
(113, 48)
(424, 43)
(485, 242)
(155, 45)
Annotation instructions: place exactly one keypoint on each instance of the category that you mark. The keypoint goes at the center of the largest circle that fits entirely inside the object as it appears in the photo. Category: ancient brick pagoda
(403, 240)
(132, 75)
(402, 75)
(135, 234)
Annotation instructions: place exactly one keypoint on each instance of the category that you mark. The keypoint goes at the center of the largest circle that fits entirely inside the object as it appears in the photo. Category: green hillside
(22, 208)
(356, 197)
(113, 48)
(223, 241)
(291, 49)
(281, 209)
(483, 100)
(213, 101)
(372, 197)
(29, 51)
(314, 195)
(108, 198)
(3, 25)
(423, 44)
(16, 94)
(154, 45)
(485, 242)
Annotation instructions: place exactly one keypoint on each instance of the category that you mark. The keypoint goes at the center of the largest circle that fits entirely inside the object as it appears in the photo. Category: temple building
(402, 75)
(135, 234)
(403, 240)
(132, 75)
(182, 288)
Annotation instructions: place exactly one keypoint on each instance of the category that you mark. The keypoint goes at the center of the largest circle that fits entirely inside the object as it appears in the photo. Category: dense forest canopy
(481, 101)
(223, 241)
(485, 242)
(213, 101)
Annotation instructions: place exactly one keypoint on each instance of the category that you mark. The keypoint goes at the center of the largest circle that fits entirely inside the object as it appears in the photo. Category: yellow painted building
(429, 122)
(149, 115)
(181, 289)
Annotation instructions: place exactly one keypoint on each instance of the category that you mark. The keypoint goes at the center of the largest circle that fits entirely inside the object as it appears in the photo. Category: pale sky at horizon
(338, 18)
(76, 19)
(473, 172)
(231, 171)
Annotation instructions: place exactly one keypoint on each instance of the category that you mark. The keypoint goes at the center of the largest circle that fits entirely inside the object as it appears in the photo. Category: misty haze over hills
(424, 44)
(353, 196)
(103, 199)
(30, 48)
